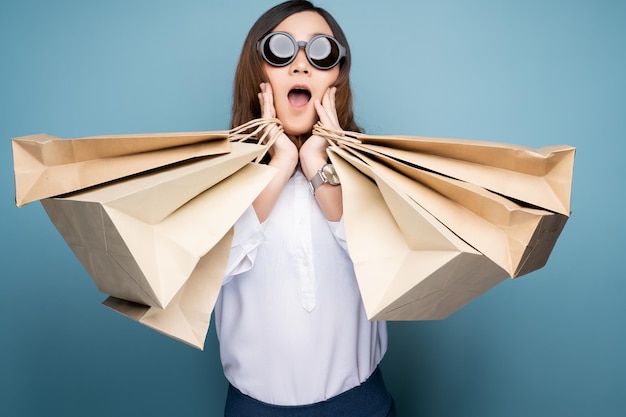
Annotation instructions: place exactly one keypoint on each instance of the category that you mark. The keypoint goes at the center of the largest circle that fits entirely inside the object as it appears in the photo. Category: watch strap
(317, 180)
(325, 175)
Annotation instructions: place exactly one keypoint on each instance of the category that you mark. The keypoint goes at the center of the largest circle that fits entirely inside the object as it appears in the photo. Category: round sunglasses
(280, 48)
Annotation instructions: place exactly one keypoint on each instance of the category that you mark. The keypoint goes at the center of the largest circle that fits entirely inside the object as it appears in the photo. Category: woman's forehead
(304, 25)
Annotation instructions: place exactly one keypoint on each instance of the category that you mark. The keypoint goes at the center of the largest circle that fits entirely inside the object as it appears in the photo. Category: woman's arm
(284, 157)
(328, 196)
(313, 156)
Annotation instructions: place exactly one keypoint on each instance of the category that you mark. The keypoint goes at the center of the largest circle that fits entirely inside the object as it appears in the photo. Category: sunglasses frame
(260, 46)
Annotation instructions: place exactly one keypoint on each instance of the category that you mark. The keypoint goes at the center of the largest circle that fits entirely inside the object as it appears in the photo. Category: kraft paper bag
(507, 203)
(539, 177)
(408, 265)
(187, 316)
(517, 238)
(47, 166)
(141, 239)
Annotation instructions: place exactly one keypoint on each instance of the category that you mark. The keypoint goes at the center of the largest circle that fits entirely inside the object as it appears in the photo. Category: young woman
(294, 337)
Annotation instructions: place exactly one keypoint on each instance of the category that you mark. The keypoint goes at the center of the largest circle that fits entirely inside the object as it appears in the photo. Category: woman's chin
(298, 127)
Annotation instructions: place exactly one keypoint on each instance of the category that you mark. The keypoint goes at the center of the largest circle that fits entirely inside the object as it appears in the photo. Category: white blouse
(290, 320)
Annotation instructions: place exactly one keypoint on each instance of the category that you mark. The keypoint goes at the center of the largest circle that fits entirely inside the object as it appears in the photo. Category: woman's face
(298, 84)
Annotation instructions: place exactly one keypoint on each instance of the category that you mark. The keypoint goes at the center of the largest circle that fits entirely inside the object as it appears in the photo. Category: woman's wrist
(311, 164)
(284, 162)
(313, 156)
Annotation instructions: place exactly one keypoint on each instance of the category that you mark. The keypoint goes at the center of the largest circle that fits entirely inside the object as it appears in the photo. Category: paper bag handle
(333, 136)
(269, 130)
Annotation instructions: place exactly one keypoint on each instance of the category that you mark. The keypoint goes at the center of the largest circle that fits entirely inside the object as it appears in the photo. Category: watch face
(330, 174)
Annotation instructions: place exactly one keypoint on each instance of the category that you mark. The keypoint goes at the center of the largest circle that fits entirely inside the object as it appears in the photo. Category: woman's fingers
(326, 109)
(269, 99)
(282, 147)
(331, 104)
(266, 100)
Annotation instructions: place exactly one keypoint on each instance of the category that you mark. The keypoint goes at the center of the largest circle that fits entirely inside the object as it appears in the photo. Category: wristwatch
(325, 175)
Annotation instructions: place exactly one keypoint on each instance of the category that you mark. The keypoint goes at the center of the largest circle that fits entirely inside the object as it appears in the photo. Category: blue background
(533, 72)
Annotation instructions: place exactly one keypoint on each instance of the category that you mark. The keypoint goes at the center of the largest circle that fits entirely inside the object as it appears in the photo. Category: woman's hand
(284, 157)
(327, 111)
(313, 156)
(283, 148)
(313, 152)
(316, 145)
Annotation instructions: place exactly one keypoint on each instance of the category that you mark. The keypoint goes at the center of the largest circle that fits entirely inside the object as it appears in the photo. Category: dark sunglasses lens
(324, 52)
(278, 49)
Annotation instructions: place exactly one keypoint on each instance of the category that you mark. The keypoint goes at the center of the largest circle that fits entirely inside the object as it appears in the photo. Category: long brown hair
(249, 73)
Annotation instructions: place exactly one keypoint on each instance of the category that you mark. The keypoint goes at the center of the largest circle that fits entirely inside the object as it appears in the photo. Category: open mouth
(299, 96)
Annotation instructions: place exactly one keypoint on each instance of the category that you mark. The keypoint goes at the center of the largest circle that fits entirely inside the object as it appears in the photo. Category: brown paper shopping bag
(48, 166)
(141, 239)
(187, 316)
(507, 202)
(517, 238)
(538, 177)
(408, 265)
(149, 215)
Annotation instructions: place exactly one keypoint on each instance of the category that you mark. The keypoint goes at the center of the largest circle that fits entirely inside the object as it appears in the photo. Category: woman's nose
(300, 64)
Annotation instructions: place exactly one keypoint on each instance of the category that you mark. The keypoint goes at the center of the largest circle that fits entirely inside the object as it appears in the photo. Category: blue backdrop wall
(531, 72)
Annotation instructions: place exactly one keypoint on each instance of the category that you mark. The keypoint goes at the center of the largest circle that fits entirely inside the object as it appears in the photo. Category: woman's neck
(298, 140)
